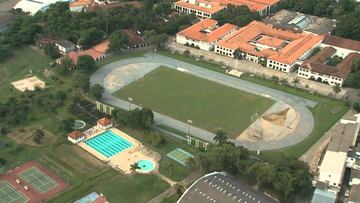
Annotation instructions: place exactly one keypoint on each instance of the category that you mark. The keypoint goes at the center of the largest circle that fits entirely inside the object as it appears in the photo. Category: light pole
(130, 100)
(189, 123)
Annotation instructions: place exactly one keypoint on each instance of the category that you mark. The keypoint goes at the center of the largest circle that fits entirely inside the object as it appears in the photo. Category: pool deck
(122, 160)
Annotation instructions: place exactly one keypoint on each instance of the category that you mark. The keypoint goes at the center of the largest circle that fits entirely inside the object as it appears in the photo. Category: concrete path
(118, 74)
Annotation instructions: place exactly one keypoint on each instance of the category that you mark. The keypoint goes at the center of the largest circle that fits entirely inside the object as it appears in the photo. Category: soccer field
(208, 104)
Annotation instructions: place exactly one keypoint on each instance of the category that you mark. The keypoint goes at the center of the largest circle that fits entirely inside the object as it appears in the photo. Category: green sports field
(208, 104)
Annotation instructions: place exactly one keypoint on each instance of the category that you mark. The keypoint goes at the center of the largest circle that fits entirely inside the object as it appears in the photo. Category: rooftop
(342, 43)
(81, 3)
(286, 19)
(214, 6)
(333, 163)
(64, 43)
(95, 52)
(207, 30)
(104, 121)
(93, 197)
(342, 136)
(282, 45)
(33, 6)
(323, 196)
(134, 38)
(76, 134)
(341, 70)
(222, 188)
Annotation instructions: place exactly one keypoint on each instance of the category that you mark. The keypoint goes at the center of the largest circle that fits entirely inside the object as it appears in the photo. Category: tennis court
(9, 194)
(179, 155)
(39, 180)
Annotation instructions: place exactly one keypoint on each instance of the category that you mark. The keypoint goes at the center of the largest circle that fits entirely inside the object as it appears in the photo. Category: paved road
(115, 75)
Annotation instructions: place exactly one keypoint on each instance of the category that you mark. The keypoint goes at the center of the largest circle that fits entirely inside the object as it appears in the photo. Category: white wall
(331, 80)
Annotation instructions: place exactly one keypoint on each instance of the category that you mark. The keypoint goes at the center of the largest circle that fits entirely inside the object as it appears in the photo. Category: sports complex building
(208, 8)
(34, 6)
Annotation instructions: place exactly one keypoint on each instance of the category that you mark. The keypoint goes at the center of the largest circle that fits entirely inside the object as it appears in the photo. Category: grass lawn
(132, 189)
(18, 66)
(326, 113)
(208, 104)
(172, 199)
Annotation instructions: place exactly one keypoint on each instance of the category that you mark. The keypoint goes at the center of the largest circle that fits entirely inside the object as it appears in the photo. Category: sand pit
(29, 83)
(272, 126)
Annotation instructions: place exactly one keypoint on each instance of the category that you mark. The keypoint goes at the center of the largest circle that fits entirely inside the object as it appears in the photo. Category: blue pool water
(146, 166)
(108, 143)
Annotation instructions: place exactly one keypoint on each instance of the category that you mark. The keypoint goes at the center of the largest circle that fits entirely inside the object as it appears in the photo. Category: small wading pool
(145, 166)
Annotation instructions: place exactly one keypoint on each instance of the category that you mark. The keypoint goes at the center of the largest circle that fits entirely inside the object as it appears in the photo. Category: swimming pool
(146, 166)
(108, 143)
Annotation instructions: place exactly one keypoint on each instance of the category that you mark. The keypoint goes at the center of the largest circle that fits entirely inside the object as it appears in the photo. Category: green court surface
(9, 194)
(180, 156)
(39, 180)
(208, 104)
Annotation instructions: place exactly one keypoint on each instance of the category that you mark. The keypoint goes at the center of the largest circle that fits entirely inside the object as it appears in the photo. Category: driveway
(116, 75)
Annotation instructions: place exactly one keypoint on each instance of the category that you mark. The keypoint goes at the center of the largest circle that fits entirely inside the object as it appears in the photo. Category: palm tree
(275, 79)
(296, 81)
(336, 89)
(133, 167)
(284, 82)
(220, 137)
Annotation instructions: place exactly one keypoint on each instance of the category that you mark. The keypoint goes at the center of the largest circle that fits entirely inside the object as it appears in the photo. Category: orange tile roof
(102, 47)
(207, 30)
(287, 46)
(342, 42)
(104, 121)
(95, 52)
(76, 134)
(213, 6)
(218, 5)
(81, 3)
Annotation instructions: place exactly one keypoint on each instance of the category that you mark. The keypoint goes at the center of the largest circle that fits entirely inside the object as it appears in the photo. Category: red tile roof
(214, 6)
(81, 3)
(95, 52)
(207, 30)
(104, 122)
(342, 42)
(341, 70)
(287, 46)
(76, 134)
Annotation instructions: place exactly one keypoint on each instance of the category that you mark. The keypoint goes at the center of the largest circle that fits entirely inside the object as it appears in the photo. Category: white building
(64, 46)
(76, 136)
(104, 123)
(204, 34)
(273, 48)
(332, 168)
(33, 7)
(317, 68)
(209, 8)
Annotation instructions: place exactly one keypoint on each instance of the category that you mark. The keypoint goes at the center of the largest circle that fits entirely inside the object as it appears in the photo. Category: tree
(275, 79)
(238, 15)
(336, 89)
(66, 125)
(96, 91)
(220, 137)
(154, 139)
(65, 66)
(134, 167)
(51, 51)
(38, 135)
(295, 82)
(86, 64)
(118, 40)
(179, 189)
(356, 106)
(4, 52)
(348, 25)
(154, 38)
(82, 81)
(284, 82)
(191, 163)
(146, 118)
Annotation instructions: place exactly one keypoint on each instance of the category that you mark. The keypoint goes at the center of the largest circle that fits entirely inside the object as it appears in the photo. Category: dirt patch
(79, 158)
(25, 136)
(29, 83)
(272, 126)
